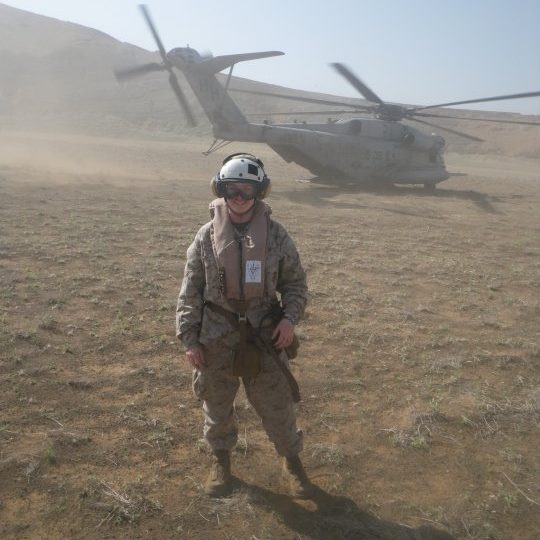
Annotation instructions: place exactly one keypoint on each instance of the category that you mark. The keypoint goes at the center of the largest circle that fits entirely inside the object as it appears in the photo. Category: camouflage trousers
(269, 394)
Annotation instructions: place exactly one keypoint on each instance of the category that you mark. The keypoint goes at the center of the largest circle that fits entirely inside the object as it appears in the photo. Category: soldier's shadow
(333, 517)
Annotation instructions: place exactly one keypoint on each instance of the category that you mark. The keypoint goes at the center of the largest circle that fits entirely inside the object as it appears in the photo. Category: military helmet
(241, 167)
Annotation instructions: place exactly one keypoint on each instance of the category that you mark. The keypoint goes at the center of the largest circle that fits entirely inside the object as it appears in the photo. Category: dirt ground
(418, 366)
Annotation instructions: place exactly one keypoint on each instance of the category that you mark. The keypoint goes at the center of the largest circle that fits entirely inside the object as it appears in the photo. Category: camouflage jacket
(284, 274)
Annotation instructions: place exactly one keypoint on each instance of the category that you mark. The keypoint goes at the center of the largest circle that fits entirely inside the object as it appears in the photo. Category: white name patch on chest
(253, 272)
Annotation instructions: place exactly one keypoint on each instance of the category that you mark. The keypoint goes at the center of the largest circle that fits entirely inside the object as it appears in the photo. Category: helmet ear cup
(217, 186)
(265, 188)
(213, 186)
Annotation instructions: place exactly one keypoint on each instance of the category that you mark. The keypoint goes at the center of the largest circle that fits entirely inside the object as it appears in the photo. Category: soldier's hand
(195, 357)
(283, 334)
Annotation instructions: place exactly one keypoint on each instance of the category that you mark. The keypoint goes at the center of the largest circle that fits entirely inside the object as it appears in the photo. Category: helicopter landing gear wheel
(429, 187)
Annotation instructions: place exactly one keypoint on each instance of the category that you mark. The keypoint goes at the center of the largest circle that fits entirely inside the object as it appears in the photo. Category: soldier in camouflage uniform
(235, 266)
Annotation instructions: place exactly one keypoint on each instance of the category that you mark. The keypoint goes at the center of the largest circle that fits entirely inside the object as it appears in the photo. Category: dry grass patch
(418, 366)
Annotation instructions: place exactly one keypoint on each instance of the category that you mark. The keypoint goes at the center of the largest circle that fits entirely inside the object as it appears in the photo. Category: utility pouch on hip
(275, 314)
(247, 360)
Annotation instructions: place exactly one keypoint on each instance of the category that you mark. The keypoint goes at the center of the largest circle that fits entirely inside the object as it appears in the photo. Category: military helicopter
(366, 150)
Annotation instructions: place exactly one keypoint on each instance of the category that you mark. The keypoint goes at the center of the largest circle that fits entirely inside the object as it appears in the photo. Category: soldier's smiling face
(240, 197)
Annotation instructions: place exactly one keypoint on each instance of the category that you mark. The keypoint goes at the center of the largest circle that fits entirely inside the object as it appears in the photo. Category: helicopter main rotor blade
(460, 133)
(343, 70)
(300, 98)
(480, 100)
(157, 39)
(429, 115)
(135, 71)
(173, 81)
(303, 113)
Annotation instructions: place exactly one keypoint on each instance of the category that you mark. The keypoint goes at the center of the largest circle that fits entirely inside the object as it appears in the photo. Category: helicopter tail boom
(199, 70)
(226, 118)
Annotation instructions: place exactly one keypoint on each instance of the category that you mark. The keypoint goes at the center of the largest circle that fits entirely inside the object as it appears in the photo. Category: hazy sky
(409, 51)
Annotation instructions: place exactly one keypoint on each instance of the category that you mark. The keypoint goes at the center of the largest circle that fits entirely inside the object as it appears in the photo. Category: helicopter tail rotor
(180, 96)
(166, 65)
(132, 72)
(173, 79)
(157, 39)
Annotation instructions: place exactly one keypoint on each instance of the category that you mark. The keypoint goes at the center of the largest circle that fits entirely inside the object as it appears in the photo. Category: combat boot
(219, 482)
(299, 484)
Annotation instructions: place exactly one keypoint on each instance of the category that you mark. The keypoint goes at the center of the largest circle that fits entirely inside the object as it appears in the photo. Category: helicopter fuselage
(357, 150)
(361, 149)
(380, 149)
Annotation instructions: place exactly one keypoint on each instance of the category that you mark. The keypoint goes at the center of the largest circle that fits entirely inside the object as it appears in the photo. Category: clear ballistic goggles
(247, 193)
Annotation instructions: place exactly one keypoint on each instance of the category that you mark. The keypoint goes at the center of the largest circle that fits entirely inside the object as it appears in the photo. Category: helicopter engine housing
(419, 141)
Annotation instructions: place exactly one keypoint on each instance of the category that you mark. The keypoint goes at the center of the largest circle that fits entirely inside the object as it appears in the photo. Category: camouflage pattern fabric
(268, 393)
(283, 274)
